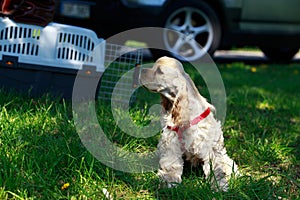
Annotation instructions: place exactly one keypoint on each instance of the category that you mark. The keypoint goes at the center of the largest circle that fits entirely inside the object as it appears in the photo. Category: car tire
(282, 55)
(192, 30)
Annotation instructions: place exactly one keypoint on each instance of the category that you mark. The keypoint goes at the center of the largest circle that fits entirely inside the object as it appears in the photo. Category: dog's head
(167, 77)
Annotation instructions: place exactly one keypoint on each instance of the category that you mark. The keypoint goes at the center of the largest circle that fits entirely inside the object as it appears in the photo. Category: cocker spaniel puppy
(190, 130)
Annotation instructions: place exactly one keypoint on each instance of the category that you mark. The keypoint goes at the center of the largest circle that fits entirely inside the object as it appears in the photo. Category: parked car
(273, 26)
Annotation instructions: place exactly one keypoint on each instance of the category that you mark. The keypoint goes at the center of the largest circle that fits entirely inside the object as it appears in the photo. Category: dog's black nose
(143, 71)
(143, 75)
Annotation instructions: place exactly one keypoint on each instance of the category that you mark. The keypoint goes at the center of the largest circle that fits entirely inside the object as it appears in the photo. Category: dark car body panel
(261, 22)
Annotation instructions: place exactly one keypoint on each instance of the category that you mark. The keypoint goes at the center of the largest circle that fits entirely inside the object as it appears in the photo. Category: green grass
(42, 157)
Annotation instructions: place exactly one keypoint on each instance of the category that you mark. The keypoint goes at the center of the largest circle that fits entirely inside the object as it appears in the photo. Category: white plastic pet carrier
(55, 45)
(59, 47)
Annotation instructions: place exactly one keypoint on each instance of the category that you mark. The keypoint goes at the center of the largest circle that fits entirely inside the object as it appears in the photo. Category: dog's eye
(158, 71)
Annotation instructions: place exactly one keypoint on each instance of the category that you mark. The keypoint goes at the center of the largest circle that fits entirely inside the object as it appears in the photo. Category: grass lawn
(42, 157)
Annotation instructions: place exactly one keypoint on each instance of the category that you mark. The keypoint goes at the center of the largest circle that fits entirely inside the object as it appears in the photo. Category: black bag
(37, 12)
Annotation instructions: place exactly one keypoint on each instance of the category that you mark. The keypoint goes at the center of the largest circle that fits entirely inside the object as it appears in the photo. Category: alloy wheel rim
(188, 34)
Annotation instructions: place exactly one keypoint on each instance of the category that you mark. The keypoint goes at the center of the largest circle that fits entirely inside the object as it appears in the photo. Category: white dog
(190, 130)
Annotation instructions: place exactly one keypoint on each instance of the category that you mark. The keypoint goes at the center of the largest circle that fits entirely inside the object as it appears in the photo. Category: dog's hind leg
(218, 169)
(215, 175)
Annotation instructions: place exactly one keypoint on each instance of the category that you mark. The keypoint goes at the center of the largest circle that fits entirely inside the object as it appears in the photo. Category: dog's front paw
(168, 180)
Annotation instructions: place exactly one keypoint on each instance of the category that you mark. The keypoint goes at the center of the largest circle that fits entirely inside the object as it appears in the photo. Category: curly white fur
(202, 143)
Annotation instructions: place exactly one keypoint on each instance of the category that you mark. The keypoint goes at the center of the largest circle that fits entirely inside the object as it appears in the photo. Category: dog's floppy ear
(180, 109)
(195, 92)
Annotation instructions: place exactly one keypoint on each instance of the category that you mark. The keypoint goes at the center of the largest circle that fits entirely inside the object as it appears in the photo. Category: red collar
(179, 130)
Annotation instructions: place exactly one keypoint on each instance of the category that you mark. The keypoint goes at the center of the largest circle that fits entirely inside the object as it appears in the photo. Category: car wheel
(279, 54)
(192, 30)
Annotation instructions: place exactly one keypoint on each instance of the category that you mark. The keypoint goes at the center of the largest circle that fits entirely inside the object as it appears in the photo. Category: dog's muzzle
(144, 77)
